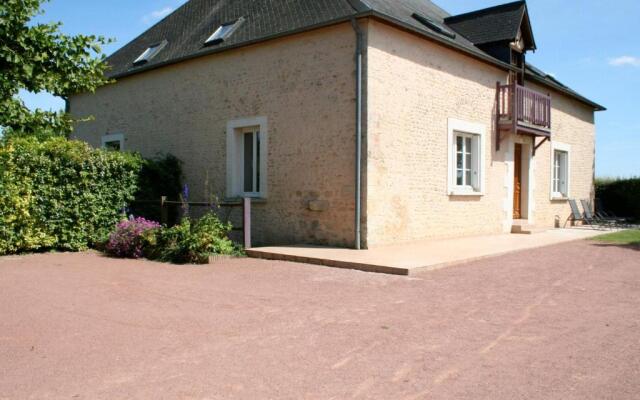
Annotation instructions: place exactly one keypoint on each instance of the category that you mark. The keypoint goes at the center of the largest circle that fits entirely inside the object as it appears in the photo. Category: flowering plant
(131, 237)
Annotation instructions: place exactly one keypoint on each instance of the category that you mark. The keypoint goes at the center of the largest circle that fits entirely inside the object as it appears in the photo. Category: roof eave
(432, 36)
(214, 50)
(582, 99)
(527, 19)
(363, 14)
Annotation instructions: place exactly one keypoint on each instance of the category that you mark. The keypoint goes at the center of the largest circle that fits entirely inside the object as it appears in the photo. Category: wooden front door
(517, 182)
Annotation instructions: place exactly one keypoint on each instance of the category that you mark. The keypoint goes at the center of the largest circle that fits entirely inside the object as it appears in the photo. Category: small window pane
(150, 52)
(113, 146)
(223, 31)
(248, 162)
(467, 161)
(560, 172)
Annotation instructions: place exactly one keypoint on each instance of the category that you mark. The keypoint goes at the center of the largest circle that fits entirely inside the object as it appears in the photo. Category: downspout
(358, 198)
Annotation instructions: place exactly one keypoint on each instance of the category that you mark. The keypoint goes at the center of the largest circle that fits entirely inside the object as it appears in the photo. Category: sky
(590, 45)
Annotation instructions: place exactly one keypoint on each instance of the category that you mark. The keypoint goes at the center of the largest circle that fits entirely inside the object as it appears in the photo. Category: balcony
(522, 110)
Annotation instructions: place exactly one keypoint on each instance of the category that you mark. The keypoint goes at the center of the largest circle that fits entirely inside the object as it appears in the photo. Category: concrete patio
(415, 257)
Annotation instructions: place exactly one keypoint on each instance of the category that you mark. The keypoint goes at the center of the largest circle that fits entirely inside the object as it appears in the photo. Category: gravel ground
(561, 322)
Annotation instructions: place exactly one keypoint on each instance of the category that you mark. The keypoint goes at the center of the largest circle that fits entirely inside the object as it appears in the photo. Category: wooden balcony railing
(522, 107)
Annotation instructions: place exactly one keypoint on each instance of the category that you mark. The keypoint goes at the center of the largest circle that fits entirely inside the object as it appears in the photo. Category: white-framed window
(247, 157)
(560, 170)
(223, 32)
(113, 141)
(150, 52)
(466, 158)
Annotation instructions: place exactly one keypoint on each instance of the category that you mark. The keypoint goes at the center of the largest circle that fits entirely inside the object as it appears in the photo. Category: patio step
(523, 228)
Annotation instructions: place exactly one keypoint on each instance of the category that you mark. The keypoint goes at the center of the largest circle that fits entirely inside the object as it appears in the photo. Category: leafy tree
(39, 58)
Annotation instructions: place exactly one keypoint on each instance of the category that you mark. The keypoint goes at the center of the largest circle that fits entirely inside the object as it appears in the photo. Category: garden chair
(576, 215)
(588, 215)
(602, 213)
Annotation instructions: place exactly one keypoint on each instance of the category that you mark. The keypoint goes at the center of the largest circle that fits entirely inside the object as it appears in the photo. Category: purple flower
(128, 240)
(185, 200)
(185, 192)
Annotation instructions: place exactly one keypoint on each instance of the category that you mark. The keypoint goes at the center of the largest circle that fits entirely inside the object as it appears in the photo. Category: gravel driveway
(561, 322)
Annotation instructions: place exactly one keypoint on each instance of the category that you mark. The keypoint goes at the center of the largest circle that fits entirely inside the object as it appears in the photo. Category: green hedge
(61, 195)
(160, 176)
(620, 196)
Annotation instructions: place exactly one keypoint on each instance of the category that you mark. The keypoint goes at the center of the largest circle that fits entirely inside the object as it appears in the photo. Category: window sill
(462, 192)
(559, 198)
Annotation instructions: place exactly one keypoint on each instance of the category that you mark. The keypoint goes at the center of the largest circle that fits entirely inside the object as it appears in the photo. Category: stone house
(354, 123)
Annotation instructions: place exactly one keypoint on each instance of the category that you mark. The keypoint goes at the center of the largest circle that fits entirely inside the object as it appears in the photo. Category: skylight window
(223, 32)
(149, 53)
(434, 26)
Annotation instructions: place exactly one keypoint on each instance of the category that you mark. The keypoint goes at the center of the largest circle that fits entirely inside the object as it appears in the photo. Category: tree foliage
(39, 58)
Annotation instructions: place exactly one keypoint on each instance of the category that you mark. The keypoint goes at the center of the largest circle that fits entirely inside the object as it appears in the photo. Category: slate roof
(537, 74)
(187, 28)
(494, 24)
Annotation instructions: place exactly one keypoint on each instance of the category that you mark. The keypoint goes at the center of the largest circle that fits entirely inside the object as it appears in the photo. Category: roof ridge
(454, 18)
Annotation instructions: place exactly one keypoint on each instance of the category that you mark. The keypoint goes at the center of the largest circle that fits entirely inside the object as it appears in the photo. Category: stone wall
(414, 87)
(303, 84)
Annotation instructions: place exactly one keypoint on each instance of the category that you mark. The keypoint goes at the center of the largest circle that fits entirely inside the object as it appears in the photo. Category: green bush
(192, 242)
(60, 194)
(620, 196)
(160, 176)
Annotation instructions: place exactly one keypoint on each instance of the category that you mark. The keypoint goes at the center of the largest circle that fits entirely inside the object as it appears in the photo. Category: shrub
(194, 241)
(61, 194)
(160, 176)
(131, 238)
(620, 196)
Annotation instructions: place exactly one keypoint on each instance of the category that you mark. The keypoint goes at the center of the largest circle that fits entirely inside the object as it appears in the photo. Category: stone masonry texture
(305, 86)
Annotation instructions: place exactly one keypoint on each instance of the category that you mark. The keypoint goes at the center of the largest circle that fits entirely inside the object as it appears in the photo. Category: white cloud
(157, 15)
(624, 61)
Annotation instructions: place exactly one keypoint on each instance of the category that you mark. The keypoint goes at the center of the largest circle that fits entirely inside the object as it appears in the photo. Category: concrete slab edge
(381, 269)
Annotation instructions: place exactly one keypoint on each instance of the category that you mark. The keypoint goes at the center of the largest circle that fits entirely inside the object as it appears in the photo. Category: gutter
(358, 171)
(361, 11)
(220, 49)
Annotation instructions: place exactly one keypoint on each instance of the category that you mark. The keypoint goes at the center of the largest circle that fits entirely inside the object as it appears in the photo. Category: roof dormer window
(223, 32)
(149, 53)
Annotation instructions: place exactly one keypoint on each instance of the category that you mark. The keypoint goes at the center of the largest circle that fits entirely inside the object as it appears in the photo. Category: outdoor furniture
(588, 215)
(601, 212)
(576, 215)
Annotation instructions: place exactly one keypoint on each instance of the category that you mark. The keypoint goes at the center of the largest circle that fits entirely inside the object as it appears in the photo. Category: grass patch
(629, 238)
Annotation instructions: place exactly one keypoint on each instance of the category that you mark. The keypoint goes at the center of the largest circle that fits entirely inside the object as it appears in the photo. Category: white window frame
(113, 137)
(150, 52)
(476, 131)
(224, 31)
(235, 156)
(564, 147)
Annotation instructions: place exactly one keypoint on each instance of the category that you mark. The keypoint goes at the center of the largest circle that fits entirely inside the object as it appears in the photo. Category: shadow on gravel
(631, 246)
